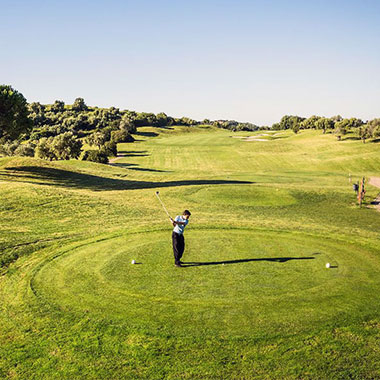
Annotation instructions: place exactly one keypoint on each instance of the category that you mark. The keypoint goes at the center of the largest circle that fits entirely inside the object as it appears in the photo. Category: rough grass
(255, 300)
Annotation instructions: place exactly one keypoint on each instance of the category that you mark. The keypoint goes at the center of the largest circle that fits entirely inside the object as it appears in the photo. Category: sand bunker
(251, 138)
(254, 138)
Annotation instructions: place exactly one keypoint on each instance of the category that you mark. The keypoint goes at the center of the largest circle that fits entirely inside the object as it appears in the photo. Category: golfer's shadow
(273, 259)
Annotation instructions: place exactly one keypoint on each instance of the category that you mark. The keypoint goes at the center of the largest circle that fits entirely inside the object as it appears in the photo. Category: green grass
(255, 300)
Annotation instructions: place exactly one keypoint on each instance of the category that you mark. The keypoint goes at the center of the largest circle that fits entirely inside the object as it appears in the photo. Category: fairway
(254, 299)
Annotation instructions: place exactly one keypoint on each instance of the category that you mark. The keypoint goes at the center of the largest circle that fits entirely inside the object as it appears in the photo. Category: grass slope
(255, 300)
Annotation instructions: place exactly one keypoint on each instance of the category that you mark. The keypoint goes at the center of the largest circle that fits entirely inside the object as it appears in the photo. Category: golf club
(162, 203)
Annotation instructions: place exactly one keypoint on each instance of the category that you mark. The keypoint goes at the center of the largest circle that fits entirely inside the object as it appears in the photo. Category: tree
(344, 125)
(296, 128)
(9, 148)
(354, 123)
(162, 119)
(96, 139)
(79, 105)
(45, 149)
(310, 123)
(14, 118)
(58, 106)
(60, 147)
(37, 114)
(187, 121)
(248, 127)
(285, 122)
(289, 121)
(110, 148)
(145, 119)
(324, 123)
(127, 123)
(376, 132)
(364, 133)
(26, 150)
(121, 136)
(340, 129)
(374, 128)
(36, 108)
(66, 146)
(336, 118)
(107, 132)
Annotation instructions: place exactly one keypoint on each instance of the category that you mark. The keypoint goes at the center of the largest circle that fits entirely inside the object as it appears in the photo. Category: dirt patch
(375, 181)
(120, 155)
(112, 160)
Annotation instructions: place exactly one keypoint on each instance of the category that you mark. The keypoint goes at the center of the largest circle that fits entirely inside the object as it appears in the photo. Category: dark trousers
(178, 246)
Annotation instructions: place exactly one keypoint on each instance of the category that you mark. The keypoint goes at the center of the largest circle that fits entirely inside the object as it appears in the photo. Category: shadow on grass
(352, 138)
(278, 138)
(356, 138)
(274, 259)
(132, 153)
(64, 178)
(146, 134)
(136, 167)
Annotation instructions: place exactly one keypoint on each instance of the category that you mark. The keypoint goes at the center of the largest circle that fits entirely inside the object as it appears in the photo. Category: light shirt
(179, 228)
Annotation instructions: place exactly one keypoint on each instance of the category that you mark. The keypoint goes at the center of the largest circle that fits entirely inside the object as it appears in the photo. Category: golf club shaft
(162, 203)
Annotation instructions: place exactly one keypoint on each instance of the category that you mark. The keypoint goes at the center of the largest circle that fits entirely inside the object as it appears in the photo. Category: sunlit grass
(255, 300)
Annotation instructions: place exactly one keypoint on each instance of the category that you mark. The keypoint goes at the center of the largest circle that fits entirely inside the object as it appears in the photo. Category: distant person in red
(179, 223)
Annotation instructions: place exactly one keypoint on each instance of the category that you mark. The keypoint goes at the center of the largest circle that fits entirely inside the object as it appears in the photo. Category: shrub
(96, 139)
(121, 136)
(95, 156)
(66, 146)
(45, 149)
(110, 148)
(9, 148)
(26, 150)
(128, 123)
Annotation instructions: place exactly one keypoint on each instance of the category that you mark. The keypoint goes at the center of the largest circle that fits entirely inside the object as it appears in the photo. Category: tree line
(336, 124)
(235, 126)
(58, 131)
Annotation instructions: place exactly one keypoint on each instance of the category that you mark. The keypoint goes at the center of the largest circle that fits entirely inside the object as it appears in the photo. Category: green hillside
(254, 301)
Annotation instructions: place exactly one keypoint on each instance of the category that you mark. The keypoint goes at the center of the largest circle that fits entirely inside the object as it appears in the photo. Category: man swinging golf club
(179, 223)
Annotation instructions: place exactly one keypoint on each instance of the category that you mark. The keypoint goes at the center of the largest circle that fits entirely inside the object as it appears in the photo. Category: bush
(66, 146)
(110, 148)
(128, 124)
(9, 148)
(95, 156)
(45, 149)
(26, 150)
(96, 139)
(121, 136)
(61, 147)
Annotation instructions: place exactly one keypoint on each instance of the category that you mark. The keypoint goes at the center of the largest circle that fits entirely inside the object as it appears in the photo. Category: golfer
(179, 223)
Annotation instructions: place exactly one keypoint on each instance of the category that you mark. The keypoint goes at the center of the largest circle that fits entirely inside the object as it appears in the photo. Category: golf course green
(254, 299)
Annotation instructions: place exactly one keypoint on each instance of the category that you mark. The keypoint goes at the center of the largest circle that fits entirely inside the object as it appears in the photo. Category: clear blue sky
(245, 60)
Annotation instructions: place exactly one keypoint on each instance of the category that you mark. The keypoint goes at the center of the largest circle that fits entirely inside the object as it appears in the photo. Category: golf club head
(157, 192)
